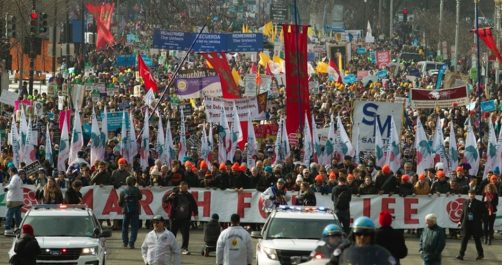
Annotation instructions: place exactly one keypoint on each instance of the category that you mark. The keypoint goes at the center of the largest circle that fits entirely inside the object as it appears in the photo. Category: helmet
(363, 225)
(331, 229)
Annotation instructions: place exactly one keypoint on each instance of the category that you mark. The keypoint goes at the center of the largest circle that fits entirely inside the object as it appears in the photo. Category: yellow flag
(236, 76)
(192, 102)
(264, 59)
(268, 29)
(321, 68)
(209, 65)
(310, 32)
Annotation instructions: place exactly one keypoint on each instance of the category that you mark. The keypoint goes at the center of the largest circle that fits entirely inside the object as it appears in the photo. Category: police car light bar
(59, 206)
(303, 208)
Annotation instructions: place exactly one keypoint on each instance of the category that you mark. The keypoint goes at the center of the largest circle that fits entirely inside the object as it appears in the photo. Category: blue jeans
(133, 220)
(13, 213)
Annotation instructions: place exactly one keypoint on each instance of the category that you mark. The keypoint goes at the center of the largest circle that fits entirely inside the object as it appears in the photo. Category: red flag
(144, 72)
(297, 94)
(486, 35)
(103, 15)
(220, 64)
(253, 69)
(337, 70)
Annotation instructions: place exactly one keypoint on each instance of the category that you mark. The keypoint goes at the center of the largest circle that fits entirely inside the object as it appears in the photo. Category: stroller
(212, 231)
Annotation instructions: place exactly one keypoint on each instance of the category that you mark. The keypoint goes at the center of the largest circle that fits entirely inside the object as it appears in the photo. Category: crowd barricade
(408, 212)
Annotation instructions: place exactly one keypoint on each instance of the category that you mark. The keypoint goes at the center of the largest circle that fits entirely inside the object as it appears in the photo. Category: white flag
(491, 151)
(124, 141)
(344, 145)
(224, 140)
(15, 142)
(104, 129)
(316, 142)
(252, 144)
(145, 143)
(183, 141)
(77, 138)
(308, 148)
(149, 97)
(161, 144)
(499, 152)
(97, 148)
(438, 146)
(64, 146)
(29, 149)
(452, 150)
(23, 134)
(133, 142)
(204, 148)
(210, 141)
(236, 133)
(170, 152)
(394, 148)
(357, 158)
(282, 148)
(471, 153)
(423, 149)
(48, 146)
(379, 147)
(329, 148)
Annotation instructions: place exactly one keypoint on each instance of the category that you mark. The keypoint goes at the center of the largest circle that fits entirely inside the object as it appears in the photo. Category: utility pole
(391, 20)
(54, 38)
(32, 50)
(457, 22)
(498, 9)
(441, 4)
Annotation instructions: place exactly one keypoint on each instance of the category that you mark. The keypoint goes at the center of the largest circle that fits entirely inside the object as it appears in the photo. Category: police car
(290, 233)
(67, 234)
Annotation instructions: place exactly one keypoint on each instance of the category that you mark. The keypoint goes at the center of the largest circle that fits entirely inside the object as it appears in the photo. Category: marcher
(129, 201)
(390, 238)
(275, 195)
(51, 193)
(73, 195)
(212, 230)
(234, 246)
(473, 211)
(14, 201)
(306, 197)
(341, 197)
(26, 248)
(183, 206)
(432, 241)
(159, 246)
(364, 249)
(491, 201)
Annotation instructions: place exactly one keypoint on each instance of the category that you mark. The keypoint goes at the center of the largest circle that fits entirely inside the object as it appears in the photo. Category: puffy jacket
(15, 186)
(432, 243)
(212, 231)
(27, 250)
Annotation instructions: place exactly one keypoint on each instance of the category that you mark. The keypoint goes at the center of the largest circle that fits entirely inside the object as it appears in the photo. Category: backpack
(131, 201)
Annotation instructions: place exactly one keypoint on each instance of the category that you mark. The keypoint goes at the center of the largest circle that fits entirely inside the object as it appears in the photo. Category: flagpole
(174, 76)
(299, 92)
(478, 66)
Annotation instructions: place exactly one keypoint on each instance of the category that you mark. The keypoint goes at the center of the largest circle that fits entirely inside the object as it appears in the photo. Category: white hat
(439, 165)
(299, 178)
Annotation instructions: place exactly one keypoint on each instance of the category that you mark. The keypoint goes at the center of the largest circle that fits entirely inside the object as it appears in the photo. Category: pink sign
(383, 58)
(26, 102)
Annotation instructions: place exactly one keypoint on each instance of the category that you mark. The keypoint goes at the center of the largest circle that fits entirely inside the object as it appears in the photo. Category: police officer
(364, 249)
(472, 214)
(160, 247)
(332, 238)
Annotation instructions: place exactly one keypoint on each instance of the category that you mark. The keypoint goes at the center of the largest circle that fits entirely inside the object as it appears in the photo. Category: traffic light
(405, 15)
(42, 24)
(11, 26)
(33, 23)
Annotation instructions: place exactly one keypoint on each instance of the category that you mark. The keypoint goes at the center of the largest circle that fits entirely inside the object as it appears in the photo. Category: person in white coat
(234, 245)
(14, 199)
(159, 246)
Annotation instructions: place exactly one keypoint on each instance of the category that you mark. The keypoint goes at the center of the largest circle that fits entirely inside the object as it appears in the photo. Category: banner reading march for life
(409, 212)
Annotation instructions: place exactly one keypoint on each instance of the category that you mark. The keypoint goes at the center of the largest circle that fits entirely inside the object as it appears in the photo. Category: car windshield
(282, 228)
(81, 226)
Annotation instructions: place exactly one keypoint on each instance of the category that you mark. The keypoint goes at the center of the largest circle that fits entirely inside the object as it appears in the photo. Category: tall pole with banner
(457, 22)
(478, 65)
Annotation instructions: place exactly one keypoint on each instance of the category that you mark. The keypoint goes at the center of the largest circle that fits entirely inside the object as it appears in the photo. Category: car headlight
(90, 251)
(270, 252)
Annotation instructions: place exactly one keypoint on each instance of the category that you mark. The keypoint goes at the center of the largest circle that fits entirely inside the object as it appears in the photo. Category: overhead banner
(409, 212)
(369, 115)
(444, 98)
(254, 105)
(197, 84)
(208, 42)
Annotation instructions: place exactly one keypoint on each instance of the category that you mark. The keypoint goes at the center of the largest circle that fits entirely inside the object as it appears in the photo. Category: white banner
(409, 212)
(244, 106)
(366, 113)
(8, 98)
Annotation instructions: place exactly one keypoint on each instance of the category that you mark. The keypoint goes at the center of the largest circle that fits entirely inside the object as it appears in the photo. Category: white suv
(290, 233)
(67, 234)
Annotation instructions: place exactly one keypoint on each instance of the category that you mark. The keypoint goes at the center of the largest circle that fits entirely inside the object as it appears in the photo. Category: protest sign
(197, 83)
(444, 98)
(254, 105)
(115, 120)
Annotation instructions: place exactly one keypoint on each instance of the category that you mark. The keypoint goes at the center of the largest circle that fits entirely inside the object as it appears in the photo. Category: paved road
(121, 256)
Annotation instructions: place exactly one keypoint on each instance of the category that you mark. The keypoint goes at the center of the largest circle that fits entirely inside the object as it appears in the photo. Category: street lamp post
(457, 22)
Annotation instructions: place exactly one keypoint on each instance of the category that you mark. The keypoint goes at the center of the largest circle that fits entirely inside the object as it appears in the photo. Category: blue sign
(208, 42)
(373, 56)
(125, 60)
(361, 50)
(488, 106)
(350, 79)
(114, 120)
(382, 74)
(76, 31)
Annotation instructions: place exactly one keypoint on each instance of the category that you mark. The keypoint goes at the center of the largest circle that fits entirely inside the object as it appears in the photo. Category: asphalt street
(118, 255)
